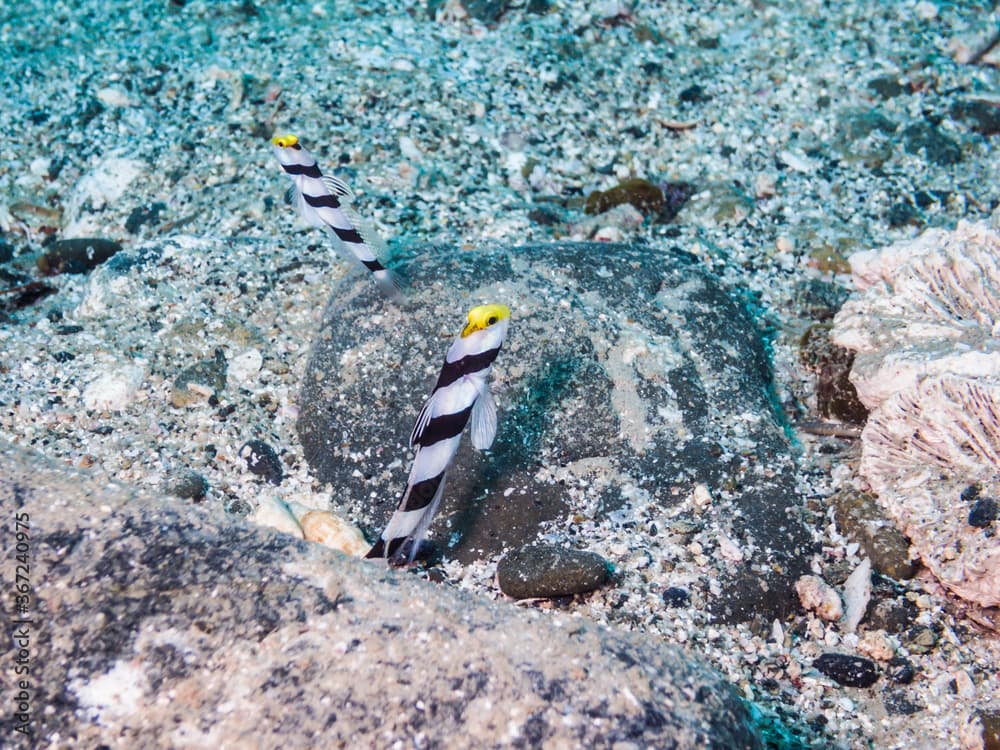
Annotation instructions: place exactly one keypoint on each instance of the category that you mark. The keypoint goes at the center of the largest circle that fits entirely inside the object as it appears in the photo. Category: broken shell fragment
(857, 594)
(276, 514)
(333, 531)
(817, 596)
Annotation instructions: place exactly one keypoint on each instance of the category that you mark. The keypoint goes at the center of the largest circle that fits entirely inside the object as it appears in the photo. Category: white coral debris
(926, 332)
(817, 596)
(927, 307)
(920, 450)
(857, 594)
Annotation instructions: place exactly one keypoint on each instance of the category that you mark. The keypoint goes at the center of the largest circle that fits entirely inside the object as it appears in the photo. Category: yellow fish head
(285, 141)
(484, 316)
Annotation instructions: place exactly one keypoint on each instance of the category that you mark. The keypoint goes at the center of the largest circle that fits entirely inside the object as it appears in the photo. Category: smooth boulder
(630, 375)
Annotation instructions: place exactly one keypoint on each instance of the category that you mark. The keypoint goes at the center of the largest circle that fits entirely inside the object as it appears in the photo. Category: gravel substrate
(808, 130)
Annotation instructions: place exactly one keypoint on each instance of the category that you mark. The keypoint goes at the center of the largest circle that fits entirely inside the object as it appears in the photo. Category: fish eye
(491, 320)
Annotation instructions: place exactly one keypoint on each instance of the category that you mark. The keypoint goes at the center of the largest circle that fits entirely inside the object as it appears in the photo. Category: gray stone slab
(160, 624)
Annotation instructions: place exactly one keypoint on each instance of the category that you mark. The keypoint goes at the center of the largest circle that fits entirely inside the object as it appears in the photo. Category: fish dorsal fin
(371, 237)
(343, 191)
(338, 187)
(484, 419)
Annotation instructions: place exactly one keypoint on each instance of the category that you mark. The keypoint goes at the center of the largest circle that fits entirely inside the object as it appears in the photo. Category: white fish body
(326, 203)
(461, 395)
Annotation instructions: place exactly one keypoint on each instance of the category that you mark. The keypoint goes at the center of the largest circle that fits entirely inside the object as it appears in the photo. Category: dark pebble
(970, 493)
(982, 117)
(646, 197)
(63, 356)
(68, 330)
(983, 513)
(921, 640)
(860, 518)
(676, 597)
(860, 125)
(898, 704)
(261, 460)
(209, 374)
(991, 729)
(142, 215)
(693, 94)
(77, 255)
(851, 671)
(903, 214)
(937, 147)
(894, 616)
(6, 252)
(544, 216)
(186, 484)
(900, 670)
(549, 571)
(886, 87)
(239, 508)
(27, 293)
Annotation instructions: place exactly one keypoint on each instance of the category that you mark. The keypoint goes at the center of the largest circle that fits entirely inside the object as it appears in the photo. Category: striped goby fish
(462, 394)
(325, 202)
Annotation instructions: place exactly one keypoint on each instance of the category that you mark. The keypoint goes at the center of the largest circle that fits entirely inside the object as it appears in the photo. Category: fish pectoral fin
(484, 419)
(294, 197)
(346, 196)
(338, 187)
(427, 413)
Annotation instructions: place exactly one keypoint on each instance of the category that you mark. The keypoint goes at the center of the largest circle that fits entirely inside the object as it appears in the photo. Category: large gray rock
(156, 623)
(629, 372)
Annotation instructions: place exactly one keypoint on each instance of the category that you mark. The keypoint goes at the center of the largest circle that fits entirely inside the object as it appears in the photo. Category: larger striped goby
(461, 395)
(327, 203)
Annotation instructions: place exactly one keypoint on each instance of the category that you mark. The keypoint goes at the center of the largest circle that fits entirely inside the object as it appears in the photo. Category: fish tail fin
(408, 524)
(425, 520)
(391, 284)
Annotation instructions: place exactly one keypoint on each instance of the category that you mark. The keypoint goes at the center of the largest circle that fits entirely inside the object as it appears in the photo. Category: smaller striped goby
(461, 395)
(327, 203)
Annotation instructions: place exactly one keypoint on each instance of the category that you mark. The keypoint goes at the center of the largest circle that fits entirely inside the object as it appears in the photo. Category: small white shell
(857, 593)
(274, 513)
(333, 531)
